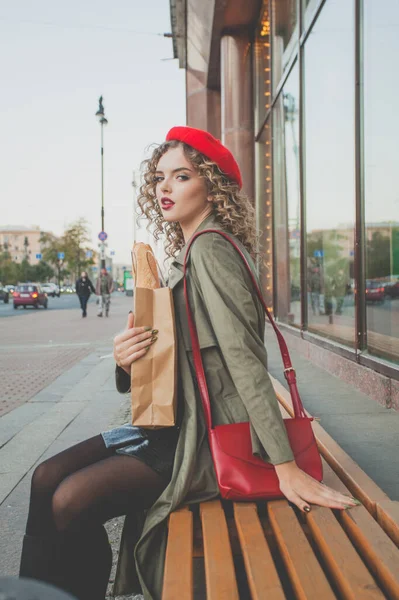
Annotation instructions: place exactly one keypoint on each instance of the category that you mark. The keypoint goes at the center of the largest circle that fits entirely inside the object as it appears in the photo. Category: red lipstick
(167, 203)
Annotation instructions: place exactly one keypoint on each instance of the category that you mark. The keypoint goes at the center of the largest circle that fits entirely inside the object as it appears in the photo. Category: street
(64, 302)
(39, 345)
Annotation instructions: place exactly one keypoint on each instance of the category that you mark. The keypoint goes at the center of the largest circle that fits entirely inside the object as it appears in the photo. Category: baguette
(145, 269)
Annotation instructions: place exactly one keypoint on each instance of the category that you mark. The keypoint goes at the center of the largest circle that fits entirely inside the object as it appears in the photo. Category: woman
(84, 287)
(191, 182)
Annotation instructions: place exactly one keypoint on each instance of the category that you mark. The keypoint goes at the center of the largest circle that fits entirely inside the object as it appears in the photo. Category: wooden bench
(271, 551)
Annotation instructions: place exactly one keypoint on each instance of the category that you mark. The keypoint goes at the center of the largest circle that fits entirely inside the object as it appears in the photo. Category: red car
(375, 291)
(29, 294)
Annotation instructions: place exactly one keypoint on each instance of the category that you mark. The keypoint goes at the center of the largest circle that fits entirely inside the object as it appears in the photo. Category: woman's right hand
(132, 344)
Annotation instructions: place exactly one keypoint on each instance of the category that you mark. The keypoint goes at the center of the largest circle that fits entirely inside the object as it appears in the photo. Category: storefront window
(309, 8)
(330, 172)
(263, 154)
(262, 62)
(286, 203)
(381, 134)
(284, 35)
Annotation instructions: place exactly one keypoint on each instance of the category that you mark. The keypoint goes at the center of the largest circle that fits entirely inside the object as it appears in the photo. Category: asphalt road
(64, 302)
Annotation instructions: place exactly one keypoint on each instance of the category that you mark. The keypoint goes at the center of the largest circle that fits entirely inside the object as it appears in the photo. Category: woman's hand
(132, 344)
(301, 489)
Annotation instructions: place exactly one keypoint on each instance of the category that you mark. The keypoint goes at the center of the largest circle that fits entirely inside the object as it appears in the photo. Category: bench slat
(388, 518)
(262, 575)
(375, 547)
(306, 575)
(178, 573)
(343, 562)
(219, 567)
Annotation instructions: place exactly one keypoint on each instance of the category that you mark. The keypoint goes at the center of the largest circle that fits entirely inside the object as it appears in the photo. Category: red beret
(210, 147)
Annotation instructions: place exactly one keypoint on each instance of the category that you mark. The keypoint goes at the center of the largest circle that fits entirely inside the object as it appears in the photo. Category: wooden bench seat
(269, 550)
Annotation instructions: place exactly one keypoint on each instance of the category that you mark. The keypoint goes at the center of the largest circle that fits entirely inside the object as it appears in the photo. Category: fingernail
(155, 331)
(357, 502)
(130, 312)
(147, 328)
(307, 509)
(154, 339)
(148, 347)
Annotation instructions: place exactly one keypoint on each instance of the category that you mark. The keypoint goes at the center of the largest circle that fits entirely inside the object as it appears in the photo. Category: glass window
(264, 214)
(262, 61)
(381, 158)
(309, 9)
(330, 172)
(286, 205)
(284, 35)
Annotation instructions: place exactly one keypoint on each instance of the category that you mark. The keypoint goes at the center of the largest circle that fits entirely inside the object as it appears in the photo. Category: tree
(9, 270)
(378, 256)
(74, 245)
(76, 240)
(42, 272)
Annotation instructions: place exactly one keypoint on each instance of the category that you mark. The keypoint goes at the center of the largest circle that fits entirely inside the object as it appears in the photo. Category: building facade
(21, 242)
(302, 92)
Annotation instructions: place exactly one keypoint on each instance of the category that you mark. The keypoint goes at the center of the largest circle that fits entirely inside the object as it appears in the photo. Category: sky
(56, 59)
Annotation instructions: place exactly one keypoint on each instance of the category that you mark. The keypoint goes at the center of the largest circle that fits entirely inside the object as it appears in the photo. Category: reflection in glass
(284, 34)
(381, 134)
(309, 9)
(330, 172)
(286, 203)
(262, 61)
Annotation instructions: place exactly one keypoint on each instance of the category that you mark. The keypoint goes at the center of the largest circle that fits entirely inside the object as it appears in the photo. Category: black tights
(76, 491)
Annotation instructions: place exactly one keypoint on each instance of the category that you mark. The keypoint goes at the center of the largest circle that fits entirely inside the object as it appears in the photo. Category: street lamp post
(103, 121)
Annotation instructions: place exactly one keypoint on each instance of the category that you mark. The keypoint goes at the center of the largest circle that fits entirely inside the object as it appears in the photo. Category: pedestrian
(191, 182)
(315, 290)
(104, 289)
(84, 288)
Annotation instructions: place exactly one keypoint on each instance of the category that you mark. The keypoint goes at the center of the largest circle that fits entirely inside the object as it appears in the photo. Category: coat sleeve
(229, 298)
(122, 380)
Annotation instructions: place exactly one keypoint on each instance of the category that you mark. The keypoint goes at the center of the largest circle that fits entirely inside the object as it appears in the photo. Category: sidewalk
(83, 401)
(79, 404)
(368, 432)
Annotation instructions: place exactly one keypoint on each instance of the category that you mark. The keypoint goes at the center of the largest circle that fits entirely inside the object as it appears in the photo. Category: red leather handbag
(240, 474)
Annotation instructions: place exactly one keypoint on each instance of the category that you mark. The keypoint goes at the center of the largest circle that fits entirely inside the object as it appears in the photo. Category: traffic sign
(318, 253)
(60, 255)
(38, 256)
(89, 254)
(109, 269)
(102, 236)
(112, 253)
(94, 269)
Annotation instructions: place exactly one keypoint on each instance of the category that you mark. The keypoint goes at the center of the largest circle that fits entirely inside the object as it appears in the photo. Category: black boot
(89, 559)
(40, 559)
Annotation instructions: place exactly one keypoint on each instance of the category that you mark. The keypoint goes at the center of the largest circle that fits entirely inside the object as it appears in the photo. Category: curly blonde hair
(232, 209)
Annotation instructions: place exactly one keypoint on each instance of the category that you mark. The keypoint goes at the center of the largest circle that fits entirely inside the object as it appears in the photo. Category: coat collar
(209, 222)
(176, 270)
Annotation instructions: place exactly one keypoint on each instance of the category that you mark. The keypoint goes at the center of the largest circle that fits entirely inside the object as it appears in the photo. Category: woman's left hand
(302, 490)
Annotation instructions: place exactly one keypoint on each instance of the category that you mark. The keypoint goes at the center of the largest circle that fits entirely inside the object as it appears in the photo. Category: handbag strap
(289, 371)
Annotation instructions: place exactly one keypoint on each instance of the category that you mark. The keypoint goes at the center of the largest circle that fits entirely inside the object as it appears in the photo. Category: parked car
(29, 294)
(51, 289)
(4, 295)
(392, 289)
(375, 291)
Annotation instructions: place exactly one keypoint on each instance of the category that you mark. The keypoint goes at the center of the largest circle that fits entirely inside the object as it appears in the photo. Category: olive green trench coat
(230, 322)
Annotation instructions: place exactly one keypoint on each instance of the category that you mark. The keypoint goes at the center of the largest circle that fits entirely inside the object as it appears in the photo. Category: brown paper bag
(154, 375)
